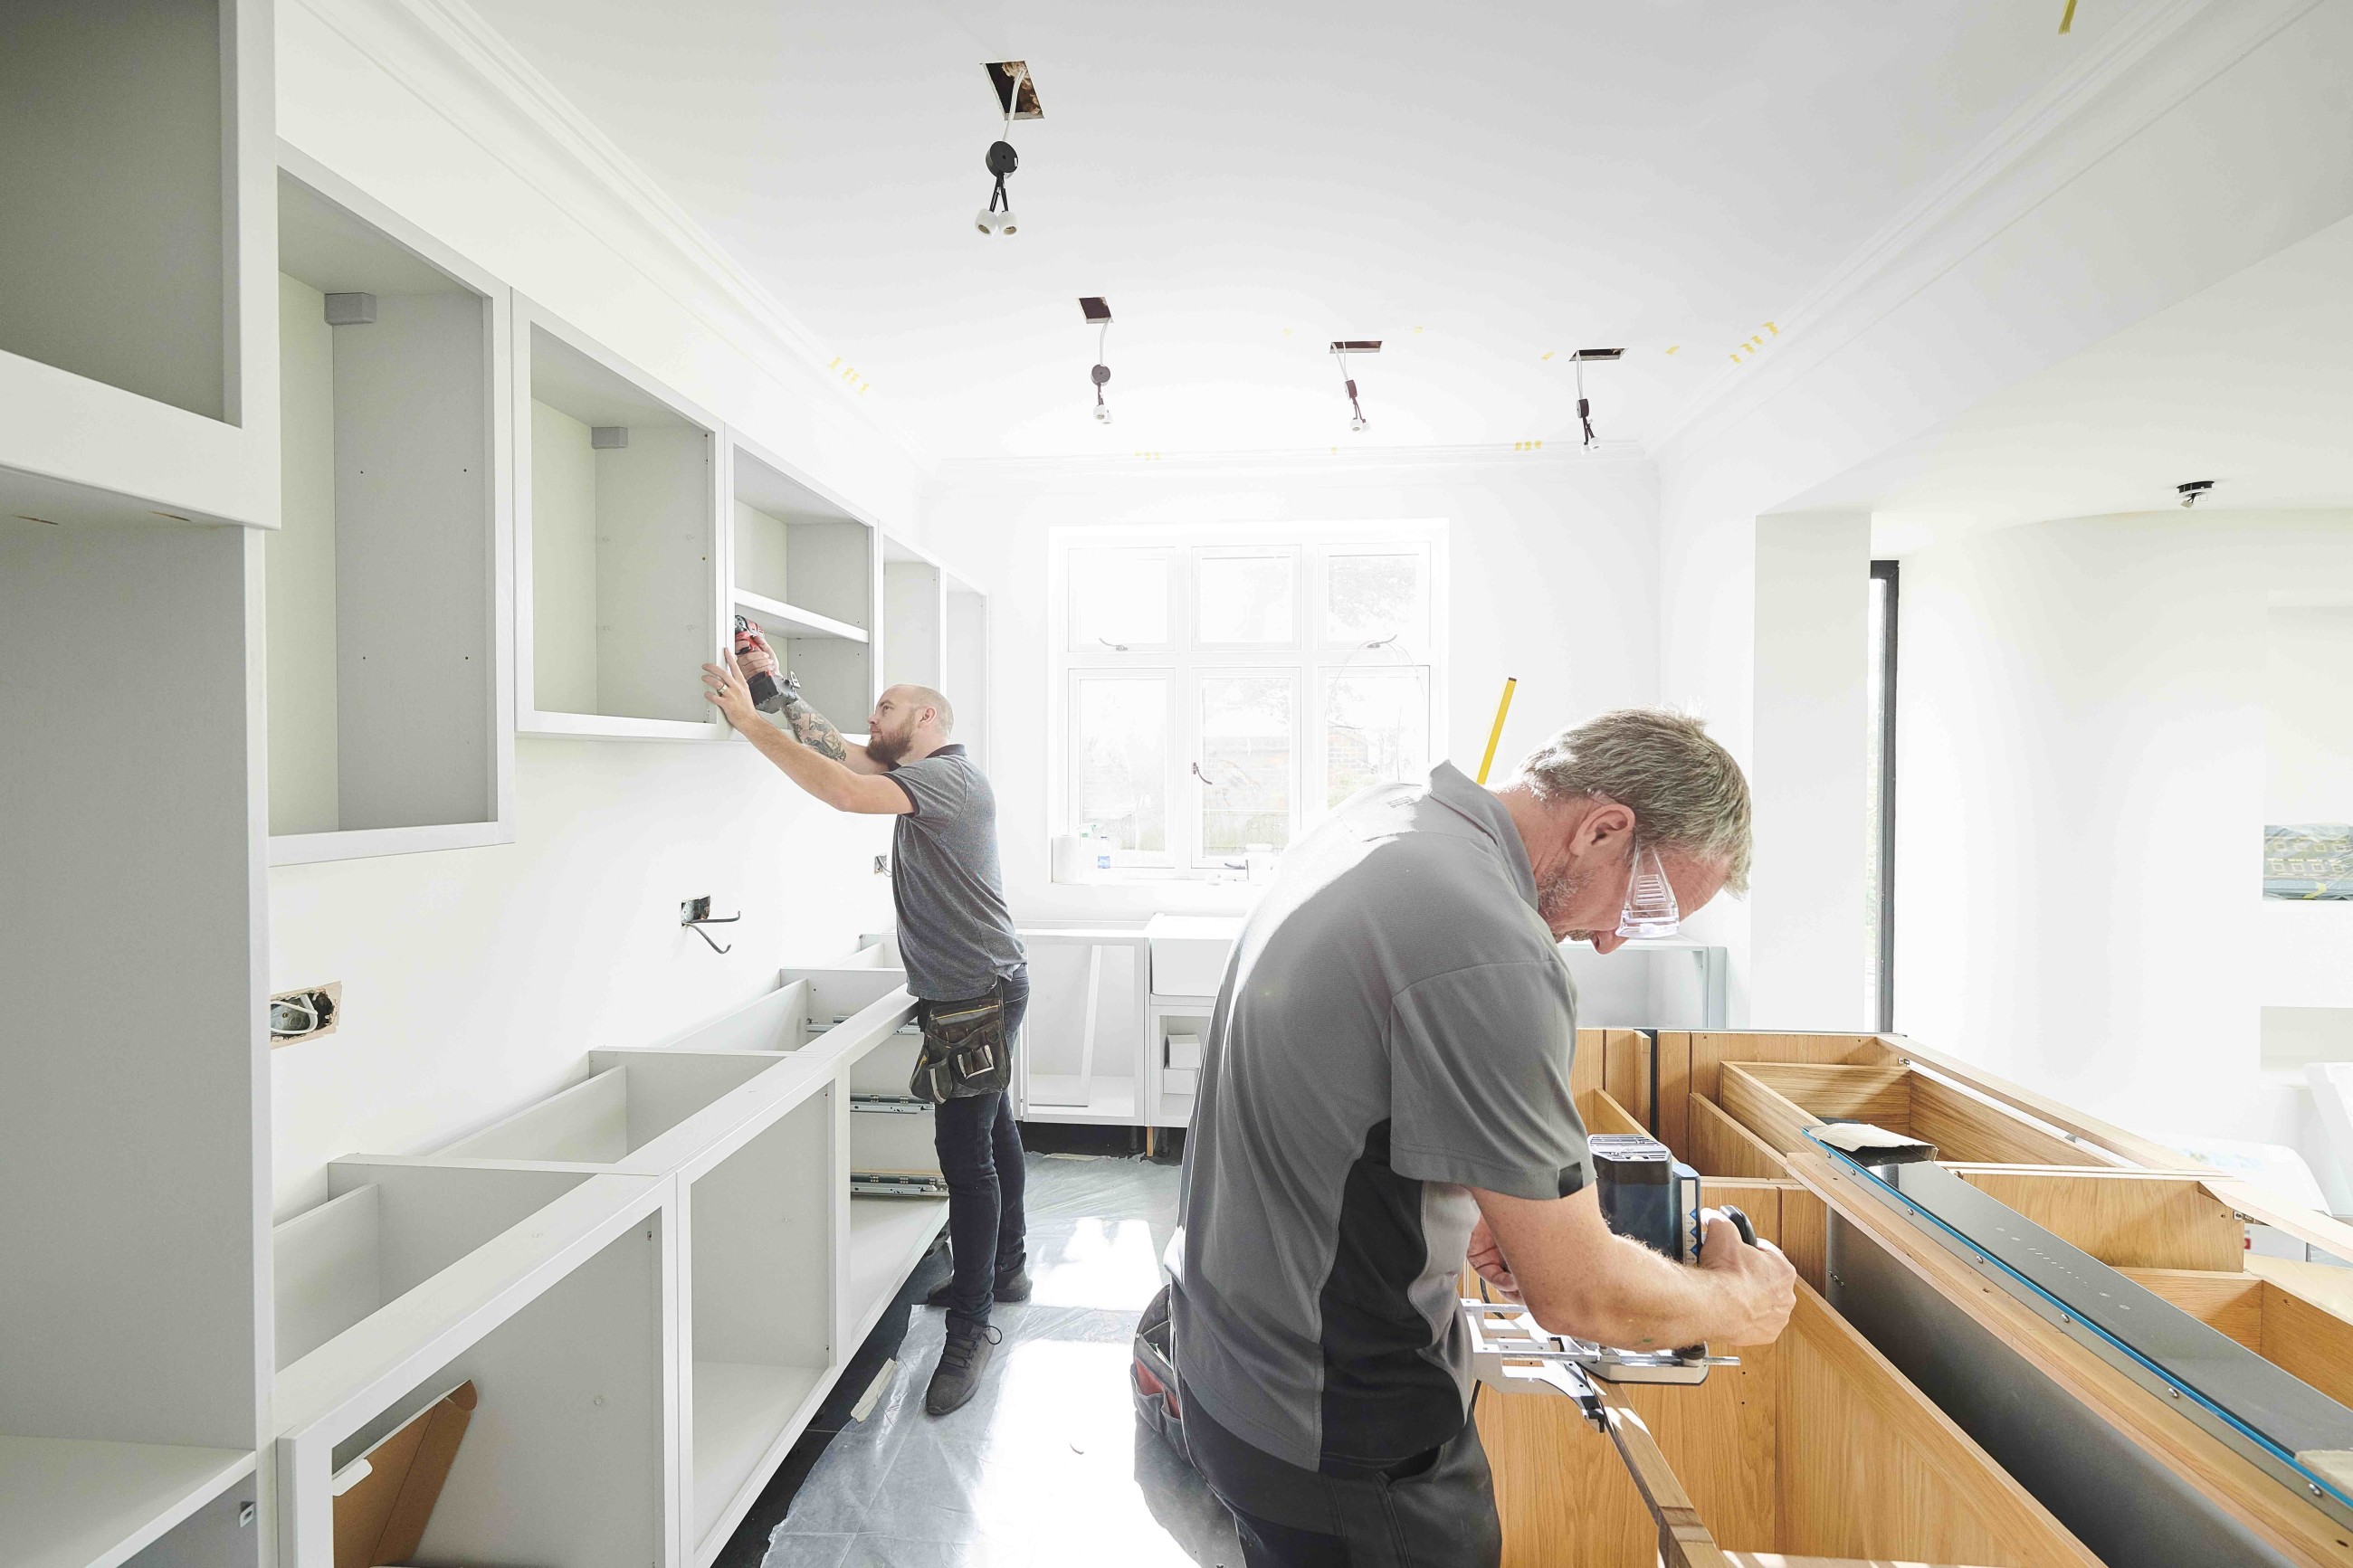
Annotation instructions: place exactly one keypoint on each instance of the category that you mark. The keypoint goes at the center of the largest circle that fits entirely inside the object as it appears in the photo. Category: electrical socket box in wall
(322, 1007)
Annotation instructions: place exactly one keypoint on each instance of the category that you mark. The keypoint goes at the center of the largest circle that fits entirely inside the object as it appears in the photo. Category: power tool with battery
(1647, 1195)
(767, 692)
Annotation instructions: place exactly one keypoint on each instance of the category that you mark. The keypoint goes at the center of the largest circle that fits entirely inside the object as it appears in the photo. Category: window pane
(1246, 737)
(1118, 598)
(1371, 598)
(1376, 728)
(1244, 600)
(1120, 730)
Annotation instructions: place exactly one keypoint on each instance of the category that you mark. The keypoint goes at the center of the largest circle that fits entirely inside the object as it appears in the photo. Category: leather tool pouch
(964, 1050)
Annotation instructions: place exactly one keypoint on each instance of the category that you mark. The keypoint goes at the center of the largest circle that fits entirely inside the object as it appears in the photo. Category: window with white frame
(1218, 696)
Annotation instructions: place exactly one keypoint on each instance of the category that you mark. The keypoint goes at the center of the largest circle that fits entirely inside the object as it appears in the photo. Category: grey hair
(928, 697)
(1687, 794)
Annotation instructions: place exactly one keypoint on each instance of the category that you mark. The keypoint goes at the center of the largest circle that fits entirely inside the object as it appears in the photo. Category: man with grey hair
(1386, 1095)
(958, 941)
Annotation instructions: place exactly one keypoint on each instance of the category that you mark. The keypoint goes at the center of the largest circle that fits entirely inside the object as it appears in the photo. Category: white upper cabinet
(138, 309)
(386, 605)
(804, 570)
(620, 599)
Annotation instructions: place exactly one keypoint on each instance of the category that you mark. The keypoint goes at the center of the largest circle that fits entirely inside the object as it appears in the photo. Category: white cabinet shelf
(887, 1237)
(619, 580)
(804, 567)
(390, 716)
(779, 619)
(137, 327)
(73, 1504)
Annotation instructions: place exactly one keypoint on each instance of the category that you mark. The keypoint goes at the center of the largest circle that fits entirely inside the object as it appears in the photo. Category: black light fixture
(1341, 351)
(1018, 96)
(2192, 492)
(1580, 359)
(1097, 310)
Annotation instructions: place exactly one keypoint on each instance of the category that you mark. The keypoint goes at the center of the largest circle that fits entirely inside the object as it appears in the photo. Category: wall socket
(881, 865)
(320, 1007)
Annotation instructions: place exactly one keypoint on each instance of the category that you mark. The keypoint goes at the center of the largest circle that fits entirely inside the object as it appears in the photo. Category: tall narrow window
(1880, 806)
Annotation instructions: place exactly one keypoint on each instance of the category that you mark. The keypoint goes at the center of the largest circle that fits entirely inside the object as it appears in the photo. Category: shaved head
(926, 697)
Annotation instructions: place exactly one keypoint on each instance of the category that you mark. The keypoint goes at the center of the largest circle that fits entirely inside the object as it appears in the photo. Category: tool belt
(966, 1051)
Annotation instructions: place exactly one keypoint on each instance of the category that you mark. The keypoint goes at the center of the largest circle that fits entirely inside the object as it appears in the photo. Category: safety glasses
(1650, 908)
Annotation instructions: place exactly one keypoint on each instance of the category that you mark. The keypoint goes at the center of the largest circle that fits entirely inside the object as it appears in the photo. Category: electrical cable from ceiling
(1097, 312)
(1341, 351)
(997, 218)
(1584, 407)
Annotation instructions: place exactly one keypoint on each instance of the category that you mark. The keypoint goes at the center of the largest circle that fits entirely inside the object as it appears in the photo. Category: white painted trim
(365, 843)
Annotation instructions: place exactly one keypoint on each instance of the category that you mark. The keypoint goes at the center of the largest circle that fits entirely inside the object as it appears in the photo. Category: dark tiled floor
(1047, 1466)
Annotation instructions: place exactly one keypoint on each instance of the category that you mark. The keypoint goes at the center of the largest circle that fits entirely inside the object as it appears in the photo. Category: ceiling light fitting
(2191, 493)
(1097, 312)
(1341, 351)
(1579, 359)
(1019, 99)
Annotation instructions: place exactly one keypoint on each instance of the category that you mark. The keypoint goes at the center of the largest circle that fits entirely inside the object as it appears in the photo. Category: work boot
(962, 1359)
(1013, 1287)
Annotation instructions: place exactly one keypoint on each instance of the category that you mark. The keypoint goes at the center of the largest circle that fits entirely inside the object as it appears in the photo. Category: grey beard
(1556, 894)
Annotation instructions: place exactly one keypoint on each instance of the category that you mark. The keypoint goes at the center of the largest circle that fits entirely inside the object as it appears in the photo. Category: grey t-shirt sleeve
(936, 789)
(1479, 1091)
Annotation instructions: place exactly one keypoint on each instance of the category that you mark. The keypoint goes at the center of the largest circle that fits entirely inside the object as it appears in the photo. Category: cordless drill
(766, 695)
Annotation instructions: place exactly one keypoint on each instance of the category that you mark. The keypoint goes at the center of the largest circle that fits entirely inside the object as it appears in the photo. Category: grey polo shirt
(956, 932)
(1395, 1026)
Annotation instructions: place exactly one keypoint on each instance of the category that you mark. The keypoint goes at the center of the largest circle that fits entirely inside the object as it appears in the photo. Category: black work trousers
(979, 1147)
(1436, 1509)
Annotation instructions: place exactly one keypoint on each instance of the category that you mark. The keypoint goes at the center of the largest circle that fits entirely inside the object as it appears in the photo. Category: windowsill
(1154, 877)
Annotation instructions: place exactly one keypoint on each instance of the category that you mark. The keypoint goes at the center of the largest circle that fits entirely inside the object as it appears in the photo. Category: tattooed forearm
(812, 729)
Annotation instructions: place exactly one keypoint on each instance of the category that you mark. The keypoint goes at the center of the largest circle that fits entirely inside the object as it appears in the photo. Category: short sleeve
(1479, 1088)
(936, 789)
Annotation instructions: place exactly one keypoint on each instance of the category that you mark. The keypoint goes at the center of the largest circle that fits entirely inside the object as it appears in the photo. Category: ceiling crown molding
(445, 53)
(2155, 58)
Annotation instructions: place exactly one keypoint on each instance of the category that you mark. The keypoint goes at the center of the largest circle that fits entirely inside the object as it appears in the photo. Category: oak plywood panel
(1716, 1145)
(1870, 1467)
(1963, 1127)
(1775, 1120)
(2229, 1303)
(2126, 1219)
(1879, 1095)
(2306, 1341)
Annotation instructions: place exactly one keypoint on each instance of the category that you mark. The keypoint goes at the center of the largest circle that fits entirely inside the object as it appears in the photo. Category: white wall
(1810, 784)
(1552, 566)
(2308, 714)
(2081, 781)
(476, 980)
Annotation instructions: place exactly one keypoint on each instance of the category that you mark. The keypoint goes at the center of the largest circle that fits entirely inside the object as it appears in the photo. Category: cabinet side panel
(412, 561)
(130, 1096)
(654, 578)
(563, 563)
(301, 557)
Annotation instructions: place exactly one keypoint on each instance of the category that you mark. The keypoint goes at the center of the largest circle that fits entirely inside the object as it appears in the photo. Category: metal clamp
(1512, 1353)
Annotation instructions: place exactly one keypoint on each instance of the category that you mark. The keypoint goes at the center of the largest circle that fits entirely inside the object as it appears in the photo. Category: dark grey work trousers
(980, 1155)
(1436, 1509)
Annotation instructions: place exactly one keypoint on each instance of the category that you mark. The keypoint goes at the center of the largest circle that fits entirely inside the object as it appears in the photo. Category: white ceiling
(2249, 384)
(1477, 184)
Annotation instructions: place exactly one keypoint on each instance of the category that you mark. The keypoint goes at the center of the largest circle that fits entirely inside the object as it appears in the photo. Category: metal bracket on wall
(695, 913)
